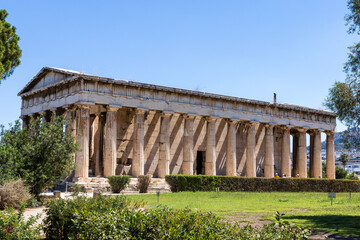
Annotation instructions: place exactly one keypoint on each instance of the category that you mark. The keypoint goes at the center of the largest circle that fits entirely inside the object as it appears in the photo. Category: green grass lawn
(305, 209)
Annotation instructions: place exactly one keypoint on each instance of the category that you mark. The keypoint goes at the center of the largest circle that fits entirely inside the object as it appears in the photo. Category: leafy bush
(340, 173)
(76, 189)
(352, 176)
(61, 214)
(144, 183)
(118, 218)
(13, 226)
(13, 193)
(119, 182)
(39, 154)
(234, 184)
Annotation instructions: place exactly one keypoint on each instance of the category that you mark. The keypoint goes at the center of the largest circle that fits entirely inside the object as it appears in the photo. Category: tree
(344, 158)
(10, 51)
(340, 173)
(39, 154)
(344, 97)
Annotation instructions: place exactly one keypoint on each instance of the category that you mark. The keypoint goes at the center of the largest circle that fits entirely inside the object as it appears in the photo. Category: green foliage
(352, 176)
(13, 193)
(10, 51)
(340, 173)
(61, 215)
(343, 97)
(344, 158)
(119, 182)
(144, 183)
(76, 189)
(118, 218)
(13, 226)
(39, 154)
(181, 182)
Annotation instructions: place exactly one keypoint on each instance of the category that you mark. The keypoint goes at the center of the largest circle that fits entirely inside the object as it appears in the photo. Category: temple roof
(74, 74)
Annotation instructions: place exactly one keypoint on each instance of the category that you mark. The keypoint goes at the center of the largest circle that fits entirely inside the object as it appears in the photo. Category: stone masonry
(133, 128)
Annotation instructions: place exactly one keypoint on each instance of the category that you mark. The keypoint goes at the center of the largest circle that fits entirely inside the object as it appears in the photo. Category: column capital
(284, 127)
(313, 131)
(140, 111)
(329, 133)
(210, 119)
(112, 108)
(250, 123)
(189, 116)
(300, 129)
(269, 125)
(83, 106)
(232, 121)
(167, 113)
(70, 108)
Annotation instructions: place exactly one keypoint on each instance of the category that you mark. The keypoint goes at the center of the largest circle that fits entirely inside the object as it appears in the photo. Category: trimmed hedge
(118, 182)
(259, 184)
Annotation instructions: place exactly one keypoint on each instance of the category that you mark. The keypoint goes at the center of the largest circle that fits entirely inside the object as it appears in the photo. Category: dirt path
(34, 211)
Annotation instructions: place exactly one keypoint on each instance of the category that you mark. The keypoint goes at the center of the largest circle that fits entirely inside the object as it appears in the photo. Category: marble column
(250, 151)
(164, 149)
(138, 153)
(231, 149)
(330, 155)
(70, 117)
(110, 142)
(316, 155)
(269, 151)
(96, 143)
(188, 154)
(210, 160)
(25, 121)
(82, 137)
(285, 152)
(301, 157)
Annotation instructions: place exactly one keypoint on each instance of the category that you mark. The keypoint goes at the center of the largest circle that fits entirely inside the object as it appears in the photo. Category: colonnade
(80, 127)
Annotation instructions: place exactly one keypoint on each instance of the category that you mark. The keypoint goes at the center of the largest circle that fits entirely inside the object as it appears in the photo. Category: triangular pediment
(48, 76)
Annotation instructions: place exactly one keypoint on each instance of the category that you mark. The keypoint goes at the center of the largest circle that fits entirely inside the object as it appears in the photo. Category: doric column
(164, 151)
(316, 155)
(250, 151)
(231, 149)
(96, 138)
(188, 154)
(302, 153)
(269, 151)
(25, 121)
(285, 153)
(210, 160)
(330, 155)
(138, 158)
(82, 137)
(70, 116)
(110, 142)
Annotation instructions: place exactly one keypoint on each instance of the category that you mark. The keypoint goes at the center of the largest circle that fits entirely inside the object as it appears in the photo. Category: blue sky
(248, 49)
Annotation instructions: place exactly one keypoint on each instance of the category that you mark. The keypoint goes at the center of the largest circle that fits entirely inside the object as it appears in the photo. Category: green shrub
(117, 218)
(119, 182)
(352, 176)
(234, 184)
(144, 183)
(61, 214)
(13, 226)
(340, 173)
(13, 193)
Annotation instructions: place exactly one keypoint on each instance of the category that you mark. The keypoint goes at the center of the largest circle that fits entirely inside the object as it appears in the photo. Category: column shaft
(210, 161)
(164, 151)
(301, 154)
(330, 156)
(269, 152)
(82, 137)
(96, 138)
(231, 150)
(250, 152)
(188, 155)
(317, 166)
(285, 153)
(138, 158)
(110, 142)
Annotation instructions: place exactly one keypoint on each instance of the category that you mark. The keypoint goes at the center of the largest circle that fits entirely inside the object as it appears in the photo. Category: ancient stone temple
(126, 127)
